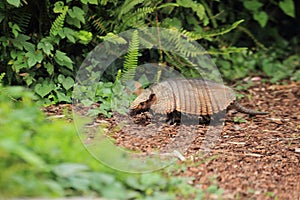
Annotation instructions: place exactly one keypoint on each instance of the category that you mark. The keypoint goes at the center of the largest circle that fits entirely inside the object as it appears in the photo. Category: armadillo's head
(142, 103)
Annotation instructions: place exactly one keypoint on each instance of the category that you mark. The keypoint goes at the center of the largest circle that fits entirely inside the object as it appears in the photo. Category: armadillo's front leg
(174, 117)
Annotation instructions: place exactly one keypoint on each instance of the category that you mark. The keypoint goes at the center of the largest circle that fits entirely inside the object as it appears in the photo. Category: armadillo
(189, 96)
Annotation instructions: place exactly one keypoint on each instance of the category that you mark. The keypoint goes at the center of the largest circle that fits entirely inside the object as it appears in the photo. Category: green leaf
(95, 2)
(87, 102)
(15, 29)
(239, 120)
(288, 7)
(63, 60)
(15, 3)
(67, 83)
(261, 17)
(31, 61)
(77, 13)
(84, 36)
(61, 78)
(18, 61)
(79, 182)
(50, 68)
(24, 153)
(34, 57)
(46, 46)
(69, 169)
(21, 42)
(43, 89)
(29, 78)
(196, 7)
(115, 39)
(150, 180)
(74, 22)
(54, 186)
(252, 5)
(276, 70)
(76, 17)
(200, 11)
(213, 189)
(62, 97)
(70, 34)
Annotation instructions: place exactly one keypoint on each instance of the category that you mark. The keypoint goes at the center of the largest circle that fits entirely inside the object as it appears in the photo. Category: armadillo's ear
(138, 88)
(152, 98)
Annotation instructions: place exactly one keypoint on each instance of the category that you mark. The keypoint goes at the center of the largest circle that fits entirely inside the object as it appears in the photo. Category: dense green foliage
(43, 43)
(270, 33)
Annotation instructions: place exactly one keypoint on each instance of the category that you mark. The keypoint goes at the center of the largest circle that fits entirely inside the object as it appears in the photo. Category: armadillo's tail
(248, 111)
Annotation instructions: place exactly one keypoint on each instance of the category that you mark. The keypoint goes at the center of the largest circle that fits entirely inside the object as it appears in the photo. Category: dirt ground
(258, 158)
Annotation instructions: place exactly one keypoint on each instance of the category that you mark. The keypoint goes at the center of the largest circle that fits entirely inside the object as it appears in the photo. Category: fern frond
(23, 19)
(58, 24)
(183, 46)
(227, 50)
(99, 24)
(147, 39)
(131, 19)
(178, 61)
(184, 66)
(127, 6)
(222, 30)
(131, 59)
(192, 35)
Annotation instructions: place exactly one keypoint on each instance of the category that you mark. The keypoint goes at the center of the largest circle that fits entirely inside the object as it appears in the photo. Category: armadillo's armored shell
(191, 96)
(164, 98)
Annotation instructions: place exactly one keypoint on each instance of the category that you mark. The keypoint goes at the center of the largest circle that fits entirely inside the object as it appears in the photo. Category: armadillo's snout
(141, 103)
(133, 108)
(132, 112)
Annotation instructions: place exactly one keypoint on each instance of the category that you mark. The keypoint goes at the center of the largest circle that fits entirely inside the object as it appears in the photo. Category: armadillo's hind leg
(218, 118)
(174, 117)
(248, 111)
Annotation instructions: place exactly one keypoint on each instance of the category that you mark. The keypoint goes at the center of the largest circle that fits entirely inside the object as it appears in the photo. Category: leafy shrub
(40, 55)
(43, 50)
(40, 157)
(274, 64)
(37, 154)
(266, 22)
